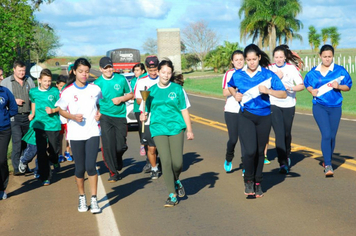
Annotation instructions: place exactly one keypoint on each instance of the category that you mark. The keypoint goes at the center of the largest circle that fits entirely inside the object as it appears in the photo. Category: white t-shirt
(81, 100)
(231, 104)
(142, 82)
(291, 77)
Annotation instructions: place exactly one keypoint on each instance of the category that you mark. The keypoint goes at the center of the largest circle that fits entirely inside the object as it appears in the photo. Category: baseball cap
(151, 62)
(105, 61)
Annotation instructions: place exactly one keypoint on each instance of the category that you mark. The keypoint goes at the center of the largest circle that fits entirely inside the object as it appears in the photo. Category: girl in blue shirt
(251, 87)
(8, 108)
(325, 82)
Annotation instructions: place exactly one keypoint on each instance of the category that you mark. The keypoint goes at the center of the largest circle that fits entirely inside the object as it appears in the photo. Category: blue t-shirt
(253, 101)
(328, 96)
(8, 107)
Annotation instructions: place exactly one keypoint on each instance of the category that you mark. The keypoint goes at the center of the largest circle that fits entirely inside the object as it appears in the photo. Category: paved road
(301, 203)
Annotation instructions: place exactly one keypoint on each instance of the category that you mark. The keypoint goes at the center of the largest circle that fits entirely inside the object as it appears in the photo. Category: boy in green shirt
(46, 124)
(115, 91)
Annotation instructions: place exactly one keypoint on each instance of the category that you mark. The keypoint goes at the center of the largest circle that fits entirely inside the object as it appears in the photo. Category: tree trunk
(272, 40)
(202, 65)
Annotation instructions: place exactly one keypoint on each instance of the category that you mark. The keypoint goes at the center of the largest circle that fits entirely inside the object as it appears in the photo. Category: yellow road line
(308, 152)
(92, 75)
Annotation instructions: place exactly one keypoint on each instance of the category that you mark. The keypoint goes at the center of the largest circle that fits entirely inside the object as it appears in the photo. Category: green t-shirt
(30, 136)
(166, 105)
(116, 86)
(133, 83)
(43, 99)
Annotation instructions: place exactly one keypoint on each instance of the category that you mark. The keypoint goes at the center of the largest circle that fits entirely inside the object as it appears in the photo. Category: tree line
(22, 37)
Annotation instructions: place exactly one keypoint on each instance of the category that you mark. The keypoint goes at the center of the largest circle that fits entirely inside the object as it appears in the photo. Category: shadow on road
(66, 171)
(194, 184)
(189, 159)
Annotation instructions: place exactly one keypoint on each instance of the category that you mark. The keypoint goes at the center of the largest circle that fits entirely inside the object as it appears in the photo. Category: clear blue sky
(92, 27)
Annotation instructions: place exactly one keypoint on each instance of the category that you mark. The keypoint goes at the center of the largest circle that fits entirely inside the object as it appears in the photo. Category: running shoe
(36, 175)
(171, 201)
(283, 169)
(249, 188)
(180, 189)
(94, 207)
(258, 190)
(227, 166)
(147, 168)
(46, 182)
(3, 195)
(82, 206)
(22, 167)
(142, 151)
(243, 172)
(61, 159)
(114, 178)
(154, 174)
(329, 172)
(266, 161)
(68, 156)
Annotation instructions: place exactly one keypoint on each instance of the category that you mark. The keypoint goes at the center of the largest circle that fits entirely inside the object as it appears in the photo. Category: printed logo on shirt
(50, 98)
(2, 100)
(172, 95)
(117, 87)
(75, 98)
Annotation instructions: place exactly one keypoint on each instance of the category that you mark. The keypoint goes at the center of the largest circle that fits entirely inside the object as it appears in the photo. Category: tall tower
(168, 46)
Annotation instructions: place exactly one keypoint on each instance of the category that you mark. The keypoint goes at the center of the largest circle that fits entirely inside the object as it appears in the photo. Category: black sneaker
(258, 190)
(283, 169)
(180, 189)
(249, 188)
(114, 178)
(154, 174)
(171, 201)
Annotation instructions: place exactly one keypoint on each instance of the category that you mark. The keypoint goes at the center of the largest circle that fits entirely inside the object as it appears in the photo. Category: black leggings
(282, 120)
(253, 133)
(5, 136)
(231, 120)
(85, 153)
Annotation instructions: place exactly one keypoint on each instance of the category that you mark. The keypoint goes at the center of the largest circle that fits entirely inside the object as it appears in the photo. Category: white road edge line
(106, 219)
(221, 99)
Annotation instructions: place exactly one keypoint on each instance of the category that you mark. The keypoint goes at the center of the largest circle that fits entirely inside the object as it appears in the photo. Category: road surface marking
(106, 219)
(222, 99)
(310, 152)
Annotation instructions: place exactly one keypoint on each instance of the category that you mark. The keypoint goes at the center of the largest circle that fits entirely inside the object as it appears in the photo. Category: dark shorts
(147, 137)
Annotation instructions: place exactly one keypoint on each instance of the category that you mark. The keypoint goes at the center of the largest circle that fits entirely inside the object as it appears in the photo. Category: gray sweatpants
(170, 149)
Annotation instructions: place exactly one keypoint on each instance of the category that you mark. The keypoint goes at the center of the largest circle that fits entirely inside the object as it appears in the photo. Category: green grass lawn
(213, 87)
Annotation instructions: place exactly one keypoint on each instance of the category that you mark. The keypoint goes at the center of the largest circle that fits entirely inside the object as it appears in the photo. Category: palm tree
(334, 36)
(266, 20)
(325, 34)
(313, 38)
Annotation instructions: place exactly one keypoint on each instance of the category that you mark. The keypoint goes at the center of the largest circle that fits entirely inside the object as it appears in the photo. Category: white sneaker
(3, 195)
(82, 206)
(22, 167)
(94, 207)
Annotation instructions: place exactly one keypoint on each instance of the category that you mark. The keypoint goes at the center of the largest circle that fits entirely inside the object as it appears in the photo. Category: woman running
(251, 86)
(78, 103)
(283, 110)
(169, 119)
(231, 109)
(325, 82)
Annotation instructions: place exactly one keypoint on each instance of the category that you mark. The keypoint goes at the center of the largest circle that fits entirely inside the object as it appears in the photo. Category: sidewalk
(33, 209)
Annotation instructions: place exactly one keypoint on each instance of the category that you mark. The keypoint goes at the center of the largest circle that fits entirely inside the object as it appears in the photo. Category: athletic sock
(154, 168)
